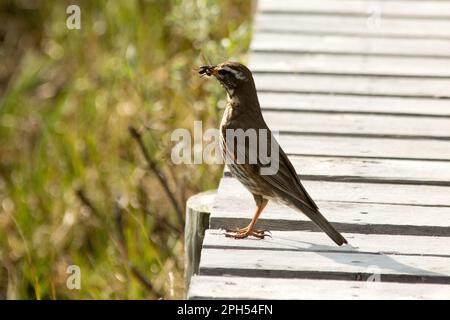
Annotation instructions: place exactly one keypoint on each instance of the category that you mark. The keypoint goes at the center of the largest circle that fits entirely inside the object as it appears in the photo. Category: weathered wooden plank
(351, 25)
(358, 125)
(349, 65)
(372, 170)
(365, 148)
(347, 217)
(357, 85)
(363, 170)
(360, 192)
(284, 101)
(315, 241)
(325, 265)
(226, 287)
(354, 208)
(391, 8)
(338, 44)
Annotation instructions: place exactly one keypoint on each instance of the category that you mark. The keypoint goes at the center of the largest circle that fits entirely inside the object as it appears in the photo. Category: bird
(243, 113)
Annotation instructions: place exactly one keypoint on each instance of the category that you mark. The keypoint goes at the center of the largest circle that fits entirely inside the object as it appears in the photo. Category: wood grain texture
(351, 25)
(379, 148)
(227, 287)
(356, 85)
(347, 169)
(315, 241)
(373, 170)
(343, 45)
(391, 8)
(329, 103)
(358, 125)
(361, 192)
(349, 65)
(353, 208)
(324, 265)
(197, 221)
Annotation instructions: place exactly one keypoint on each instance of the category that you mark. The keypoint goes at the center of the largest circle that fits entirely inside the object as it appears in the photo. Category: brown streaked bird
(242, 113)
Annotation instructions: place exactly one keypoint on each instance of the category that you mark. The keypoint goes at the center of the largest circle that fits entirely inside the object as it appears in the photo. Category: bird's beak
(214, 71)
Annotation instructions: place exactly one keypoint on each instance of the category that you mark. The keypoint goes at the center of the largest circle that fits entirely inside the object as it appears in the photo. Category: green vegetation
(67, 98)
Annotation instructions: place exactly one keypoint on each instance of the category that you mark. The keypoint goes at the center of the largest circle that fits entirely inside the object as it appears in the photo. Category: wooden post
(197, 221)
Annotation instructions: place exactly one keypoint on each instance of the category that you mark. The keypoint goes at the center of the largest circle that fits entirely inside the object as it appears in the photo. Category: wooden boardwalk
(362, 106)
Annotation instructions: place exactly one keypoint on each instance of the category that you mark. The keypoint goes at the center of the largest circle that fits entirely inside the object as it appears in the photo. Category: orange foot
(242, 233)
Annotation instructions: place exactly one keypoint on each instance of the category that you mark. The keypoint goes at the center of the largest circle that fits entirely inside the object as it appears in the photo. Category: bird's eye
(222, 72)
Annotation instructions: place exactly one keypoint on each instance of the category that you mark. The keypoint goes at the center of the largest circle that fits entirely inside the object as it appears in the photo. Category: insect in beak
(208, 70)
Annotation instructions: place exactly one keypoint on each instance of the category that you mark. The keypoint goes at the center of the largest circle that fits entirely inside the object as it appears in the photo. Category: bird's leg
(250, 230)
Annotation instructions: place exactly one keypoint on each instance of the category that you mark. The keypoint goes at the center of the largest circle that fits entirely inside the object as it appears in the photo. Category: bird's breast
(230, 118)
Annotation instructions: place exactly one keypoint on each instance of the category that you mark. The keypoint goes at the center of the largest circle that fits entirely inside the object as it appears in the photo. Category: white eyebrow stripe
(239, 75)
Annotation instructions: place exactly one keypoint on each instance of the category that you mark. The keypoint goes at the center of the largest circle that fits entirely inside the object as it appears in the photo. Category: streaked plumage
(243, 112)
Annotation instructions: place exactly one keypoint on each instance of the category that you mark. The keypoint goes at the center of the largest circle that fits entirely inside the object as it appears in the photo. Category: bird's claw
(242, 233)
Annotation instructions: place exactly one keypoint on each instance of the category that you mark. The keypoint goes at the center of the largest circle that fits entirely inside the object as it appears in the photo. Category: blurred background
(67, 98)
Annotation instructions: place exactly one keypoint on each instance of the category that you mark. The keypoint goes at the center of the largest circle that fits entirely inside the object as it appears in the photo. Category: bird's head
(233, 76)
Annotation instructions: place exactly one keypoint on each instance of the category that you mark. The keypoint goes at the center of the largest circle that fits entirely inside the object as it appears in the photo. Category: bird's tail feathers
(323, 224)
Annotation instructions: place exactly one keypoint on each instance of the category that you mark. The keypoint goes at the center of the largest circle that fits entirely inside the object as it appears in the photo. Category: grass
(75, 188)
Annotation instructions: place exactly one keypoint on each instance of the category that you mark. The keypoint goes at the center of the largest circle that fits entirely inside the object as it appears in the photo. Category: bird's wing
(285, 180)
(286, 164)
